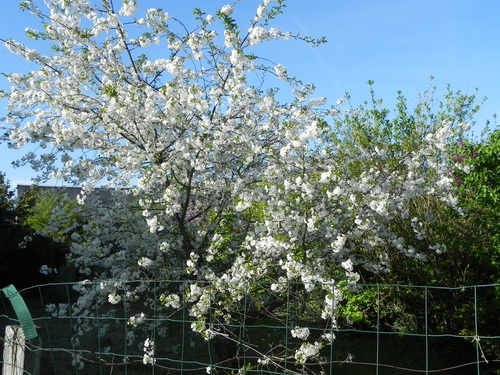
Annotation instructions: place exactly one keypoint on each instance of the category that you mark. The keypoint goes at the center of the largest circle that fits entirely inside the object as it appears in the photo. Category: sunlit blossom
(227, 10)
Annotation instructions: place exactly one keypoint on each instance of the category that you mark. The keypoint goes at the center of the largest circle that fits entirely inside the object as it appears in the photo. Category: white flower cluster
(149, 352)
(114, 298)
(136, 320)
(128, 8)
(171, 300)
(77, 361)
(300, 333)
(280, 71)
(145, 262)
(61, 310)
(307, 351)
(257, 35)
(46, 270)
(227, 10)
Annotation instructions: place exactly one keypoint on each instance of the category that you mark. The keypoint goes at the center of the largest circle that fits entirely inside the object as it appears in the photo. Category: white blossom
(257, 35)
(307, 351)
(260, 12)
(145, 262)
(236, 58)
(300, 333)
(171, 300)
(149, 352)
(280, 71)
(264, 361)
(339, 243)
(114, 298)
(227, 10)
(136, 319)
(128, 8)
(46, 270)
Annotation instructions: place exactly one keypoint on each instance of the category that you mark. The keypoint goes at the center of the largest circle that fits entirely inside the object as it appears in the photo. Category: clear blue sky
(397, 43)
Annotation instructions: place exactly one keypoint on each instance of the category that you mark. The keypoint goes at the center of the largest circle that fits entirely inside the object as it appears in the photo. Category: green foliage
(7, 207)
(22, 253)
(11, 235)
(47, 206)
(9, 228)
(480, 188)
(27, 242)
(468, 239)
(359, 307)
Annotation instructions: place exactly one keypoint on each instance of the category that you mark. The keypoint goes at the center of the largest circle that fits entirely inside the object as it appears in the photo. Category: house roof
(71, 191)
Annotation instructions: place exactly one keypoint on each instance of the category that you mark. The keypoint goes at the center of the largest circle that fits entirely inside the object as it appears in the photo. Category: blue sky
(398, 44)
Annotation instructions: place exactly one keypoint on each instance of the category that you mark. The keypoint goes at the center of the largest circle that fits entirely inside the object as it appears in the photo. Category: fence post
(16, 357)
(13, 351)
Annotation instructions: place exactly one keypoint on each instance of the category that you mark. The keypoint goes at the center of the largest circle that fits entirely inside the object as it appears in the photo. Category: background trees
(24, 251)
(11, 234)
(468, 250)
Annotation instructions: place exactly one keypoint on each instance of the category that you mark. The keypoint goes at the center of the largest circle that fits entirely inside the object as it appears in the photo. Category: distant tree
(21, 262)
(453, 248)
(47, 206)
(7, 206)
(40, 209)
(17, 264)
(476, 165)
(28, 252)
(10, 233)
(477, 173)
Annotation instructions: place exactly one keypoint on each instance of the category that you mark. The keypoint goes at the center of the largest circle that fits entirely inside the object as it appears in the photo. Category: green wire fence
(381, 329)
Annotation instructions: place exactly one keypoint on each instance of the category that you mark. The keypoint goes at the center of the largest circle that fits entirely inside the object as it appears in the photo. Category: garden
(231, 221)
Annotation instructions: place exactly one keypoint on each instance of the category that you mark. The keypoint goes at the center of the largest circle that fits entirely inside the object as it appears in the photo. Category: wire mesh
(382, 329)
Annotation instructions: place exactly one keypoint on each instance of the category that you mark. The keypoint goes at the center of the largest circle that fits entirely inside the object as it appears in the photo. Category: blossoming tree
(245, 201)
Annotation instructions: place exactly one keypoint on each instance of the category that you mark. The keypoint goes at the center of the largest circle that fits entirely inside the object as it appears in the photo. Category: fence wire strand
(387, 346)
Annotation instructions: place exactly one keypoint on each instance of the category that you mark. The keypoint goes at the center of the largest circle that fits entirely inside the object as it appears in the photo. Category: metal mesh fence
(382, 329)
